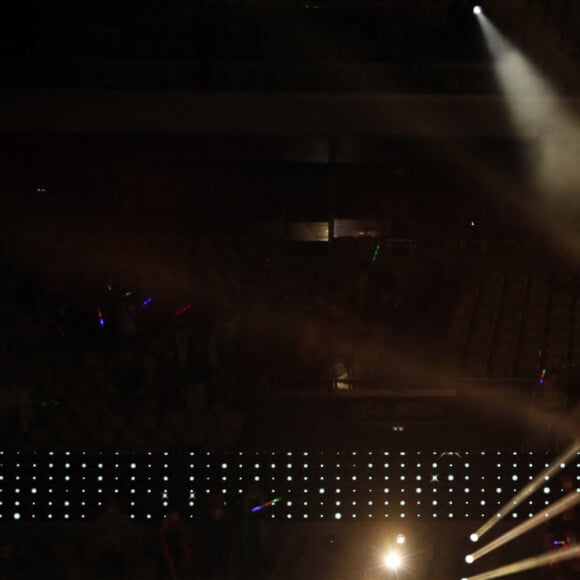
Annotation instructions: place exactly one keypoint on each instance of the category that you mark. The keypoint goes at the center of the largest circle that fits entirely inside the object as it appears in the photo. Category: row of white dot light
(402, 478)
(224, 466)
(337, 503)
(100, 478)
(354, 503)
(354, 478)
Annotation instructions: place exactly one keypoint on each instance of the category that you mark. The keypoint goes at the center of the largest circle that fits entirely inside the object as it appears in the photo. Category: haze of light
(538, 113)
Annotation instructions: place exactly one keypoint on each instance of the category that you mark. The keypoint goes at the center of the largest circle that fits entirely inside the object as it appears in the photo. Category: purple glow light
(265, 505)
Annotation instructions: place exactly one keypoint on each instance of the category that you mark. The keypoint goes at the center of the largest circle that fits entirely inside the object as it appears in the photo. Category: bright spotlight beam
(555, 509)
(538, 113)
(477, 10)
(529, 489)
(529, 563)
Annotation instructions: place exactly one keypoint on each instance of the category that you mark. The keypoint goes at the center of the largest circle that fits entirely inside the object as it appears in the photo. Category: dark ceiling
(275, 45)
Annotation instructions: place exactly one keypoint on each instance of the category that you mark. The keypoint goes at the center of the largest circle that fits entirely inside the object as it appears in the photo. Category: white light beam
(551, 511)
(528, 490)
(538, 114)
(529, 564)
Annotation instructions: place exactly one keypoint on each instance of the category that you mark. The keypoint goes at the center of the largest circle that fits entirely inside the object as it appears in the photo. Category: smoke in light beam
(538, 114)
(557, 465)
(545, 515)
(530, 563)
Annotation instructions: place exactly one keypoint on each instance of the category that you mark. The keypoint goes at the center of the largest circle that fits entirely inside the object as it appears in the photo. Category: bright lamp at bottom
(392, 561)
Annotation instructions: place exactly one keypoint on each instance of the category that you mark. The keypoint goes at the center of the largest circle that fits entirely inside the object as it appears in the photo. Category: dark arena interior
(290, 290)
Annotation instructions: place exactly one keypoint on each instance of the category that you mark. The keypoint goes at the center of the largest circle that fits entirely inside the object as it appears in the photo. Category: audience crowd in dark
(101, 363)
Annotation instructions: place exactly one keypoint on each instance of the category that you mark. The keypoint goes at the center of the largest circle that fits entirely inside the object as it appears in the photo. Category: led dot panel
(311, 485)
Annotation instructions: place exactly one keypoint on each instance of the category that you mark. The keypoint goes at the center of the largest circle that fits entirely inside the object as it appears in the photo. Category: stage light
(477, 10)
(530, 563)
(557, 508)
(474, 537)
(392, 561)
